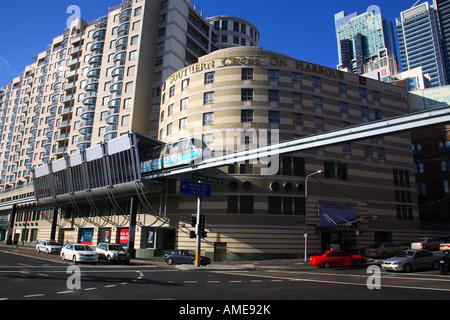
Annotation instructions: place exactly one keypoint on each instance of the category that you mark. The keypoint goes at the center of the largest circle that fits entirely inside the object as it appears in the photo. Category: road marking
(64, 292)
(34, 295)
(90, 289)
(212, 281)
(110, 286)
(334, 282)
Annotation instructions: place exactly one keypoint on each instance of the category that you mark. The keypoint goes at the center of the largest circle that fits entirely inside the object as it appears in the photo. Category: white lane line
(34, 295)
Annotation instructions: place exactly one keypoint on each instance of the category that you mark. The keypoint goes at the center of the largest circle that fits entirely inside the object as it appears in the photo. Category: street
(27, 275)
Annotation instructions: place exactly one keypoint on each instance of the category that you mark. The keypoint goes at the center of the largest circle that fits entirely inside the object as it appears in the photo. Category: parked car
(384, 250)
(429, 244)
(333, 258)
(184, 256)
(77, 252)
(444, 244)
(112, 253)
(48, 246)
(410, 260)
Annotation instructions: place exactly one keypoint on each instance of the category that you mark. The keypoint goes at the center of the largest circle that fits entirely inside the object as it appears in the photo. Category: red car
(337, 258)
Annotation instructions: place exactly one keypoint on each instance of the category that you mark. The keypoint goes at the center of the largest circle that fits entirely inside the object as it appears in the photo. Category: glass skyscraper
(419, 42)
(364, 40)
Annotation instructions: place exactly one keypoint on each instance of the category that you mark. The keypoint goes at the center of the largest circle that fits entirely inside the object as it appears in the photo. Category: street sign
(195, 188)
(203, 178)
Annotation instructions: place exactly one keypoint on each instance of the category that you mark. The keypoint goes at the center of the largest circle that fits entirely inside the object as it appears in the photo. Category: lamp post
(306, 210)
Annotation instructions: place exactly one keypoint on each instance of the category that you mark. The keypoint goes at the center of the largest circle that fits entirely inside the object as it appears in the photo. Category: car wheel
(436, 265)
(407, 268)
(428, 248)
(108, 259)
(384, 255)
(63, 257)
(74, 259)
(326, 264)
(359, 263)
(170, 261)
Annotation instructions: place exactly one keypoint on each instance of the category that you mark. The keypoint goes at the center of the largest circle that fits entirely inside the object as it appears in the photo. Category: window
(382, 153)
(343, 106)
(209, 77)
(185, 85)
(318, 102)
(376, 96)
(274, 75)
(171, 91)
(342, 88)
(317, 82)
(208, 118)
(247, 94)
(138, 11)
(134, 40)
(347, 148)
(364, 112)
(183, 104)
(274, 116)
(246, 115)
(416, 149)
(127, 103)
(318, 123)
(274, 95)
(297, 98)
(208, 98)
(169, 129)
(362, 93)
(378, 114)
(125, 120)
(247, 74)
(297, 119)
(170, 110)
(368, 152)
(296, 78)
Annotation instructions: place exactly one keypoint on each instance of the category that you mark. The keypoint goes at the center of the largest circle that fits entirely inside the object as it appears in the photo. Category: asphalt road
(28, 276)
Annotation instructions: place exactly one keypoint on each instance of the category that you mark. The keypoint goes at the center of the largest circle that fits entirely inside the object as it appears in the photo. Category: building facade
(419, 41)
(99, 80)
(243, 97)
(366, 43)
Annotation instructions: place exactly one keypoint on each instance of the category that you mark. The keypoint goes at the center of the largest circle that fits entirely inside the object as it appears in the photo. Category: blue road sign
(195, 188)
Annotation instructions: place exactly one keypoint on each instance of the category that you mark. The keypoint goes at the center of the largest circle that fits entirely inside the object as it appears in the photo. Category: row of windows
(443, 146)
(274, 75)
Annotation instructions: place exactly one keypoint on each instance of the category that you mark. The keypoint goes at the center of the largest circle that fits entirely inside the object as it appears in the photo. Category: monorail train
(183, 152)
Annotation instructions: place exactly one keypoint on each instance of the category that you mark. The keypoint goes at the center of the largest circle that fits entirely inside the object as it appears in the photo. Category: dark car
(184, 256)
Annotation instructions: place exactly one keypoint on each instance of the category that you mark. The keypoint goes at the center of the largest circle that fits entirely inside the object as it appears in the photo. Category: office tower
(418, 33)
(100, 79)
(366, 43)
(442, 8)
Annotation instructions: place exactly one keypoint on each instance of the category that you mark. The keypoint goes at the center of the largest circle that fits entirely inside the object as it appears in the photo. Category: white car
(112, 253)
(77, 252)
(48, 246)
(430, 244)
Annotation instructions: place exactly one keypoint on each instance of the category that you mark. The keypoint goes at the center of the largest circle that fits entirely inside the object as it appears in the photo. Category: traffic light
(192, 234)
(202, 222)
(193, 220)
(204, 234)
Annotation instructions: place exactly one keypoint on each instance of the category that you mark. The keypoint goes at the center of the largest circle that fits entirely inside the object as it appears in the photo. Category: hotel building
(176, 85)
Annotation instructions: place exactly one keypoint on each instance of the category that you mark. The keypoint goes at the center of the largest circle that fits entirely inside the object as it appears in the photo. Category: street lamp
(306, 210)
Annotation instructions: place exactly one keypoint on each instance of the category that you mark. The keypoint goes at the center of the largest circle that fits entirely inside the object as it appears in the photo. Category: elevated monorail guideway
(354, 133)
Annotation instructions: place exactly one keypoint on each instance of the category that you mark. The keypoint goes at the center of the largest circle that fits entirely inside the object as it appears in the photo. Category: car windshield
(82, 247)
(375, 246)
(116, 247)
(405, 254)
(422, 240)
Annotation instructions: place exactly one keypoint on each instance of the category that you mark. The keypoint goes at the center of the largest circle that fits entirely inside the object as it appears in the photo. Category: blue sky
(301, 29)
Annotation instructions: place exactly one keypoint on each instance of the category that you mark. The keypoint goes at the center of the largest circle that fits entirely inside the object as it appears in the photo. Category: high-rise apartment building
(443, 13)
(101, 79)
(366, 43)
(419, 41)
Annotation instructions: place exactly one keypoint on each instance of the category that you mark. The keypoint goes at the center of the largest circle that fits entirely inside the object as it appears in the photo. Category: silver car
(48, 246)
(409, 260)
